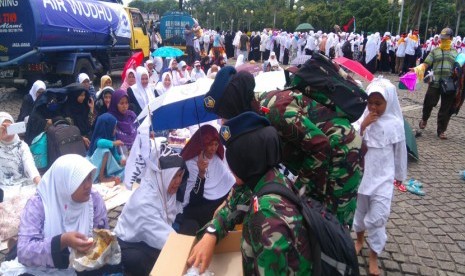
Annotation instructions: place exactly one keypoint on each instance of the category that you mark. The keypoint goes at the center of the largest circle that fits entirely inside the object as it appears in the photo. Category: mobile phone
(16, 128)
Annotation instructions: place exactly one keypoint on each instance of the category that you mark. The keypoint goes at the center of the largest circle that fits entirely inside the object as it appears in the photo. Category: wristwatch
(211, 230)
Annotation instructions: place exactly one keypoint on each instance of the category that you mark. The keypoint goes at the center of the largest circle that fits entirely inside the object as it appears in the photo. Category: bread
(102, 239)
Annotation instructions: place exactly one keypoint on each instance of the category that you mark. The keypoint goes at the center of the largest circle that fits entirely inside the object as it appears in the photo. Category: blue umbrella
(180, 107)
(167, 52)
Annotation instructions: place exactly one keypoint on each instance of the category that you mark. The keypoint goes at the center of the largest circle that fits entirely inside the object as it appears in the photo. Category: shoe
(442, 136)
(414, 182)
(401, 187)
(415, 188)
(422, 124)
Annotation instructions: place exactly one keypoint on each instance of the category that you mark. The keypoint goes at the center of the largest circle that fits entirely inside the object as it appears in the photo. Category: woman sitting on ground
(103, 152)
(164, 85)
(37, 89)
(103, 100)
(17, 168)
(61, 217)
(148, 216)
(210, 179)
(79, 108)
(105, 81)
(129, 79)
(48, 106)
(140, 94)
(126, 130)
(212, 71)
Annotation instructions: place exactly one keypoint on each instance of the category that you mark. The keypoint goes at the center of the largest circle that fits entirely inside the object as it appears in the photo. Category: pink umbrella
(355, 67)
(409, 80)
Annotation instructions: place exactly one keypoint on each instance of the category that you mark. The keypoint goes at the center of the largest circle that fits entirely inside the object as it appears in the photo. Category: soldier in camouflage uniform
(275, 239)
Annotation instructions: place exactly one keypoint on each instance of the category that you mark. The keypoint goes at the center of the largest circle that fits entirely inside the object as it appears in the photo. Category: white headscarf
(6, 116)
(239, 61)
(35, 87)
(389, 128)
(150, 212)
(161, 88)
(62, 214)
(371, 48)
(82, 77)
(144, 95)
(273, 61)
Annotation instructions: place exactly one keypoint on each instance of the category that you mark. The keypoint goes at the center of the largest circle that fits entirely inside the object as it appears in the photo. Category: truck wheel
(83, 65)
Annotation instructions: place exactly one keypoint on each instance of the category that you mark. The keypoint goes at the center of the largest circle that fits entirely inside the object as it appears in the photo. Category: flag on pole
(347, 26)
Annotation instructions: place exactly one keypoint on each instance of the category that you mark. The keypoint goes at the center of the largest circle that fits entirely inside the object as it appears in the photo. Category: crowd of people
(209, 186)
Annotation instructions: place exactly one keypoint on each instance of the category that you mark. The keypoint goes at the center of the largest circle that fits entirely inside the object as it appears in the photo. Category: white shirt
(410, 46)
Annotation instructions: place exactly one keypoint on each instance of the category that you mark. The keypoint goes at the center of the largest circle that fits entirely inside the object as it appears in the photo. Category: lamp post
(214, 20)
(208, 19)
(249, 17)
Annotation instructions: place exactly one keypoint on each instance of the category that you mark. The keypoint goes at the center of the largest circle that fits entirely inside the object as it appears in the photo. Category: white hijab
(371, 48)
(218, 180)
(82, 77)
(273, 61)
(239, 61)
(389, 128)
(150, 212)
(62, 214)
(144, 95)
(35, 87)
(161, 88)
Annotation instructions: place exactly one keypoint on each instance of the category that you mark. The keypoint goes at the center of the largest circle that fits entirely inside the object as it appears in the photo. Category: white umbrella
(181, 106)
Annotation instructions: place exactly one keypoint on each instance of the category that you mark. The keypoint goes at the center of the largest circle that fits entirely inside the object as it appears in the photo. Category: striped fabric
(441, 69)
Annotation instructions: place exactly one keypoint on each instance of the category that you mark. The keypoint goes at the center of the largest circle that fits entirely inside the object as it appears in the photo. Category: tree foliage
(370, 15)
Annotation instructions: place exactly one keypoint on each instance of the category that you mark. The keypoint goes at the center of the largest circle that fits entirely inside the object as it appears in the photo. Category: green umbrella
(410, 140)
(304, 27)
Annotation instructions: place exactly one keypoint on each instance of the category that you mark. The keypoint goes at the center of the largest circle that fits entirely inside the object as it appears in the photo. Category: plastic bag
(111, 255)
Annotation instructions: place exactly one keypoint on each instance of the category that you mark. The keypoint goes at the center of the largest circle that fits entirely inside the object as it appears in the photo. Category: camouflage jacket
(320, 146)
(274, 238)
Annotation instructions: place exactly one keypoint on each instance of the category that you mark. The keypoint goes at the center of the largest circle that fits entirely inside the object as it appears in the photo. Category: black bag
(320, 74)
(447, 86)
(62, 139)
(333, 250)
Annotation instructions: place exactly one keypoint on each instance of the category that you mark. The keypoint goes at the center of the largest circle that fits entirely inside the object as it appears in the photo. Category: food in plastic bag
(105, 250)
(195, 271)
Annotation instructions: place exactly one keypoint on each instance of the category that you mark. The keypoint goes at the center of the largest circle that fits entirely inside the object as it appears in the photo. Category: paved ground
(425, 234)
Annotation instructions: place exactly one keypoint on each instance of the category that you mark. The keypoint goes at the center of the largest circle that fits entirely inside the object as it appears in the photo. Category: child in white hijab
(148, 216)
(274, 62)
(382, 128)
(164, 84)
(140, 94)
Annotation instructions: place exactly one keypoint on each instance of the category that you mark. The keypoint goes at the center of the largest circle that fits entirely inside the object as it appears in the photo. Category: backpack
(62, 139)
(333, 250)
(320, 74)
(383, 47)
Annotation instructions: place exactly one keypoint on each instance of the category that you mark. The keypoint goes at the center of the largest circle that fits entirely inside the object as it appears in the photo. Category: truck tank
(29, 24)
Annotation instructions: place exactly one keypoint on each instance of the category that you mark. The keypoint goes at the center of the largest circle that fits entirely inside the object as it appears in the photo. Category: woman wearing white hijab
(164, 84)
(371, 53)
(60, 217)
(17, 168)
(140, 94)
(148, 216)
(274, 62)
(177, 78)
(28, 101)
(182, 66)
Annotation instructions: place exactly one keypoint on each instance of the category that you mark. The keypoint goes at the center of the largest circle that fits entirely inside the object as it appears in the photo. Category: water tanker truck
(55, 40)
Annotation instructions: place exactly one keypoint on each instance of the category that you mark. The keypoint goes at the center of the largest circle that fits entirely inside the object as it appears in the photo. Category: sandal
(414, 182)
(401, 187)
(442, 136)
(422, 124)
(416, 190)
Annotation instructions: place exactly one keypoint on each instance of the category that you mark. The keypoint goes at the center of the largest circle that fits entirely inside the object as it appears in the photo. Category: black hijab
(47, 106)
(78, 112)
(238, 96)
(251, 140)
